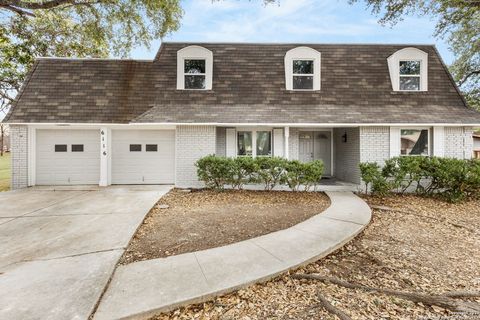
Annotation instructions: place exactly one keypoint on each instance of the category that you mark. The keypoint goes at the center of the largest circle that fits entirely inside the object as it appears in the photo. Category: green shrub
(242, 171)
(215, 172)
(270, 171)
(313, 172)
(306, 174)
(453, 180)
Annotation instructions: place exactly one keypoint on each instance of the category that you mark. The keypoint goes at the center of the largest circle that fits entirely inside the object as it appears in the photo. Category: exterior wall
(221, 147)
(293, 143)
(347, 154)
(459, 142)
(19, 151)
(374, 144)
(192, 143)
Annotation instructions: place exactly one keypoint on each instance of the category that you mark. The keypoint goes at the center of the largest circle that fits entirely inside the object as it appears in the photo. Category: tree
(75, 28)
(3, 132)
(458, 22)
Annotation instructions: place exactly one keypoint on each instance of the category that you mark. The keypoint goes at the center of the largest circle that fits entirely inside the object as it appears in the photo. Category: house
(104, 121)
(476, 145)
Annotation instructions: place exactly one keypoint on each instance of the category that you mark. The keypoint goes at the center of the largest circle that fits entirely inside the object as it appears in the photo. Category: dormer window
(194, 68)
(194, 74)
(408, 70)
(410, 75)
(302, 69)
(303, 74)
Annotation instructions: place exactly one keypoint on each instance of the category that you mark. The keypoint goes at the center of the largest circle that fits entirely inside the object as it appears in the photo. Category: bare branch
(467, 76)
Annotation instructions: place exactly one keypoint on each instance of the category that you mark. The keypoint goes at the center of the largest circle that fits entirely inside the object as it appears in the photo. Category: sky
(294, 21)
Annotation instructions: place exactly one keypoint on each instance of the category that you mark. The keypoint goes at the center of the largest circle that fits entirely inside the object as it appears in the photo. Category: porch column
(105, 156)
(287, 135)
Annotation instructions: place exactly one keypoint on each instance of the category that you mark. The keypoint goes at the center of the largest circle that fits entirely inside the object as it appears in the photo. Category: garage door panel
(63, 168)
(143, 167)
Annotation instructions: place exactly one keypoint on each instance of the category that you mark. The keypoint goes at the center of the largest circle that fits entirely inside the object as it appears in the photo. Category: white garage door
(143, 156)
(66, 157)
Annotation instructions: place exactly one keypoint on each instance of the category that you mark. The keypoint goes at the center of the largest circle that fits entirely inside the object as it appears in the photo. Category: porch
(338, 148)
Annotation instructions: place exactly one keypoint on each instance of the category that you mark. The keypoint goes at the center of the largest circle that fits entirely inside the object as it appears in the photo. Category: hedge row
(451, 179)
(219, 172)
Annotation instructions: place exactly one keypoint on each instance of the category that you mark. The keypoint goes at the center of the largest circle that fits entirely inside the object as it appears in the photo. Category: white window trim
(419, 76)
(302, 53)
(194, 53)
(408, 54)
(429, 143)
(254, 141)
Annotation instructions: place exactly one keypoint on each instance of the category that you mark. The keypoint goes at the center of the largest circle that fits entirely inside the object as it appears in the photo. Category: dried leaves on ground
(419, 246)
(190, 221)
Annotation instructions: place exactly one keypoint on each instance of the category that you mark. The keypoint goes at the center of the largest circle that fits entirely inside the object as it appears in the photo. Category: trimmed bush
(453, 180)
(218, 172)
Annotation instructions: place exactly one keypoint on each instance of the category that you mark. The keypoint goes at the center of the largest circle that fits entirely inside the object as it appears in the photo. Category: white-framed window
(409, 73)
(408, 70)
(302, 69)
(415, 141)
(194, 74)
(194, 68)
(254, 143)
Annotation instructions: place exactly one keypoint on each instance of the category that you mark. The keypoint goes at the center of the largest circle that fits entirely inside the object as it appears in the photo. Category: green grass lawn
(5, 172)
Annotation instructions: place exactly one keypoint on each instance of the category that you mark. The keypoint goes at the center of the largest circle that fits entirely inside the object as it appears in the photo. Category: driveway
(58, 248)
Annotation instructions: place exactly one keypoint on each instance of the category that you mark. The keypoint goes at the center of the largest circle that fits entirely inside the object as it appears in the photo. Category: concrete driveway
(58, 248)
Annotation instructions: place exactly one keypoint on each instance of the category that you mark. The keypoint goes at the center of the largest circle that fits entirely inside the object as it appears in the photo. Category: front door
(316, 145)
(305, 146)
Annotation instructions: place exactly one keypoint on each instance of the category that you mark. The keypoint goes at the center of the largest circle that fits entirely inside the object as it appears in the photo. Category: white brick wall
(19, 151)
(347, 154)
(192, 143)
(221, 142)
(293, 143)
(458, 142)
(374, 144)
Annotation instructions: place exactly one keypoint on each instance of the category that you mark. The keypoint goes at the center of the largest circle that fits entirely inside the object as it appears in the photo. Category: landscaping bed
(413, 244)
(204, 219)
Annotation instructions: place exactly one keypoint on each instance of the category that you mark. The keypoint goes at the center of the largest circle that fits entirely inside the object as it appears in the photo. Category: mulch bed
(420, 246)
(204, 219)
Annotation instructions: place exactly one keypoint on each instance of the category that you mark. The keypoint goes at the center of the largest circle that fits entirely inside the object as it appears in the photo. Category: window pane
(409, 67)
(244, 146)
(410, 83)
(77, 147)
(135, 147)
(194, 66)
(302, 66)
(60, 148)
(303, 82)
(264, 143)
(414, 142)
(194, 82)
(151, 148)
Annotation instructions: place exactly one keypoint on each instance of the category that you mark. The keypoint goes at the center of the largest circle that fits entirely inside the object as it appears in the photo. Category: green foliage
(270, 171)
(242, 171)
(373, 178)
(450, 179)
(85, 28)
(217, 172)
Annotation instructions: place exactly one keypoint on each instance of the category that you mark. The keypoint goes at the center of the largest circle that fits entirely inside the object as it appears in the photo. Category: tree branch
(19, 11)
(467, 76)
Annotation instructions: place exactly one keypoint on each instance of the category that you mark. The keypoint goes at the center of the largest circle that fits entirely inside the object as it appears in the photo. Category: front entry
(316, 145)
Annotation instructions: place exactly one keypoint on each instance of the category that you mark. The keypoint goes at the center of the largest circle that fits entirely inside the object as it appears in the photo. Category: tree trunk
(445, 301)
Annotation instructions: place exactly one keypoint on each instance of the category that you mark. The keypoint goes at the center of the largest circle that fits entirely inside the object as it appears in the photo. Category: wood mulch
(419, 246)
(204, 219)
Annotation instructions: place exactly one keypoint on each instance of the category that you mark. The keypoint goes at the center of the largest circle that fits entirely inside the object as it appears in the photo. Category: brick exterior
(19, 151)
(458, 142)
(347, 154)
(221, 148)
(374, 144)
(293, 143)
(192, 143)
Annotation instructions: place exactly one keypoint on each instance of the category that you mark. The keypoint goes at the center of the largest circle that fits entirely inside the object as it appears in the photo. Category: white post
(287, 135)
(104, 156)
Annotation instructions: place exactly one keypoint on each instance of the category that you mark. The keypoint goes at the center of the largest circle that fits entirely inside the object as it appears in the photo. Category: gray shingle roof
(248, 86)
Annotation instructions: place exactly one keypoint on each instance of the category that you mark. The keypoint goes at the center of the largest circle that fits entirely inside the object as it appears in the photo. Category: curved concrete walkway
(145, 288)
